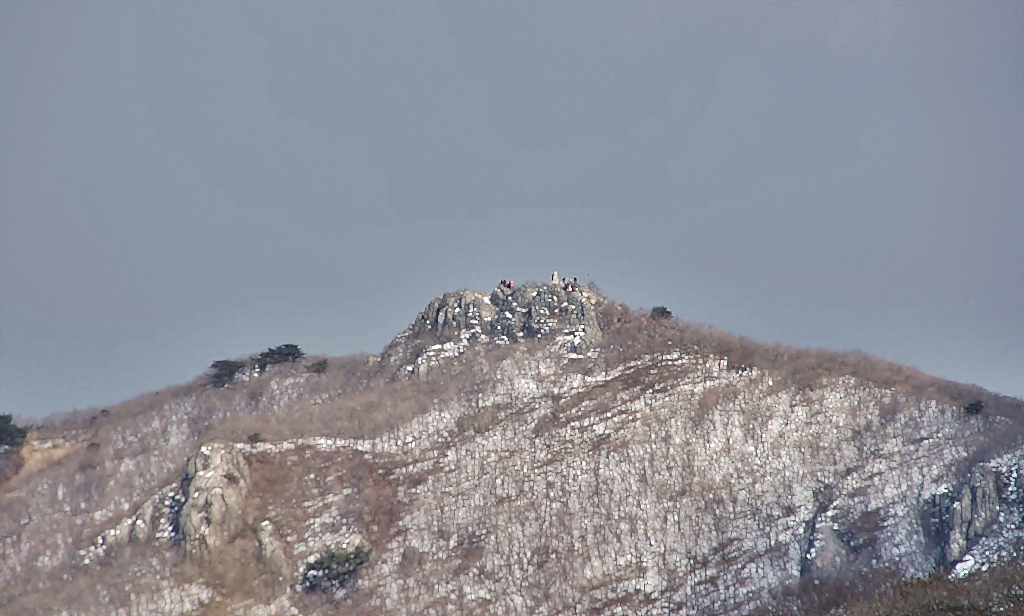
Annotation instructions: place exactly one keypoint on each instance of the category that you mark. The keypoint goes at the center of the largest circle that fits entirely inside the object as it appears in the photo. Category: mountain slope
(537, 450)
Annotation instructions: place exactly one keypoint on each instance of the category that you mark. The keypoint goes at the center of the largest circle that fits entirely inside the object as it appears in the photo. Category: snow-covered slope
(552, 482)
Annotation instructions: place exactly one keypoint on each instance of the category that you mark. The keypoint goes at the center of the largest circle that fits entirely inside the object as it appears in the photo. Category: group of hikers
(568, 285)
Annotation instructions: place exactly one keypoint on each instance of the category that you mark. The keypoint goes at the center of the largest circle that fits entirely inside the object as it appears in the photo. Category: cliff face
(554, 477)
(562, 313)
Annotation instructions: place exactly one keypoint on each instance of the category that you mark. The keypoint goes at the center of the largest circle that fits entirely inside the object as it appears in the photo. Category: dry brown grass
(999, 590)
(883, 592)
(629, 334)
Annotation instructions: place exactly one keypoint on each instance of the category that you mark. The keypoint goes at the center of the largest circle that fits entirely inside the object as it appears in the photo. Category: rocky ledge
(563, 312)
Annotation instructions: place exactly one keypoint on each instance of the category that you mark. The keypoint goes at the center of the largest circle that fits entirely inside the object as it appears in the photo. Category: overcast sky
(184, 182)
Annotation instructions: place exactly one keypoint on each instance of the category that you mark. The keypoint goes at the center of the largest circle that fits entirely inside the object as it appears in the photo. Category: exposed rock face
(447, 316)
(272, 550)
(993, 536)
(562, 312)
(964, 515)
(550, 310)
(215, 485)
(155, 519)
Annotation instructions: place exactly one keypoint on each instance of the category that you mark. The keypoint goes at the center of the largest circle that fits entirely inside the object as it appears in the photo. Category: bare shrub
(354, 399)
(629, 335)
(1000, 590)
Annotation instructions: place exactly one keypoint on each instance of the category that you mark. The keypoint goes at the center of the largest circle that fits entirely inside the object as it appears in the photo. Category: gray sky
(184, 182)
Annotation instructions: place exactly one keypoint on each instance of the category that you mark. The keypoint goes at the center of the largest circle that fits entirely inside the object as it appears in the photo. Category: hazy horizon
(181, 183)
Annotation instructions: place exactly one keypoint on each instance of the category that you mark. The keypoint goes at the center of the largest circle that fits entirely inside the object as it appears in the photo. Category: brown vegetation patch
(630, 335)
(999, 590)
(37, 455)
(281, 481)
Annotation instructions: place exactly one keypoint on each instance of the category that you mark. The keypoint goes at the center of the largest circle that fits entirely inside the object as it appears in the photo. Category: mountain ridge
(501, 381)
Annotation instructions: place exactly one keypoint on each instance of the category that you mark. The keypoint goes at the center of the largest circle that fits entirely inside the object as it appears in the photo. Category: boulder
(215, 486)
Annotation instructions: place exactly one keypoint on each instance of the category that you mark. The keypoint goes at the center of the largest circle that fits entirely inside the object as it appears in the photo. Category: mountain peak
(538, 449)
(561, 311)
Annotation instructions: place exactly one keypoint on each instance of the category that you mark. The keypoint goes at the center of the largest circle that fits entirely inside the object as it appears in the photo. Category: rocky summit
(561, 312)
(536, 450)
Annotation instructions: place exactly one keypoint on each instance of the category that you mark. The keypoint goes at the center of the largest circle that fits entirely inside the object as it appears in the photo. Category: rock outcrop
(962, 515)
(272, 550)
(565, 313)
(215, 486)
(548, 311)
